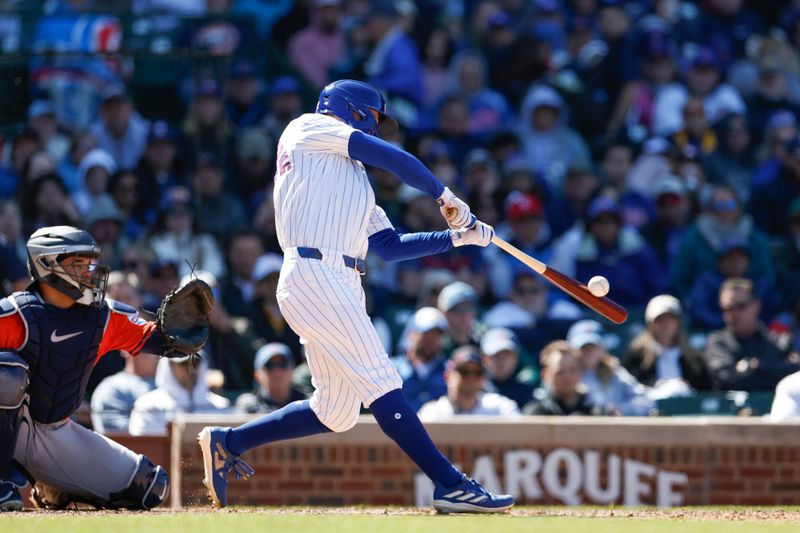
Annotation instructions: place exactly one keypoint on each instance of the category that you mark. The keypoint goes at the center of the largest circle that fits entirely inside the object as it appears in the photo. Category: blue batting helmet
(359, 104)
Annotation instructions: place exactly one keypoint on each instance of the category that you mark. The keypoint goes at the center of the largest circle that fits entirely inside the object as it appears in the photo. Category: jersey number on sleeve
(284, 164)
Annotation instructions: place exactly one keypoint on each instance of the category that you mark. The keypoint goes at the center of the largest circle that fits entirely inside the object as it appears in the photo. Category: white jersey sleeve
(325, 135)
(378, 221)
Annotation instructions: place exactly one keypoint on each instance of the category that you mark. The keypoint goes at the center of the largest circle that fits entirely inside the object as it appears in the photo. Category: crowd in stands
(653, 142)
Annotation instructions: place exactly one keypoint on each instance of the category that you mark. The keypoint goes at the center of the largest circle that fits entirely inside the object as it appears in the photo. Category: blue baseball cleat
(469, 497)
(10, 499)
(218, 461)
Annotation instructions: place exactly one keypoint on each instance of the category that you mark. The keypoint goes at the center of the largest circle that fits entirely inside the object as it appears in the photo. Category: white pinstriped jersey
(323, 199)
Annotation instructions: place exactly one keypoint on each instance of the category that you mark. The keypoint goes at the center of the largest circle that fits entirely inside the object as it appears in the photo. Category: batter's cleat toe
(10, 500)
(218, 461)
(469, 497)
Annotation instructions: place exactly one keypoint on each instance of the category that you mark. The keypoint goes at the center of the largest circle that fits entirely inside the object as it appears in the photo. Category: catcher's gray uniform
(67, 456)
(54, 352)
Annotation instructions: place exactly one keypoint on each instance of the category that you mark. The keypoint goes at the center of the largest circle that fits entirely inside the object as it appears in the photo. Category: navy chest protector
(60, 349)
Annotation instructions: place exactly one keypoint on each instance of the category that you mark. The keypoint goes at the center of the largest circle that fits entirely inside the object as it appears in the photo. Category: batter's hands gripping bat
(605, 306)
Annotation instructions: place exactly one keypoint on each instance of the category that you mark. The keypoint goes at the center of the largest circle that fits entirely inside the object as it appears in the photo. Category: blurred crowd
(653, 142)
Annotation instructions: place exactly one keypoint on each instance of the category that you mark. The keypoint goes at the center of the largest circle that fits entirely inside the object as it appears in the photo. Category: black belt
(360, 265)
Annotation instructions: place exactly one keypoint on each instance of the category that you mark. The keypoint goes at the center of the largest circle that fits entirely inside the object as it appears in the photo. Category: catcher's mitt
(182, 319)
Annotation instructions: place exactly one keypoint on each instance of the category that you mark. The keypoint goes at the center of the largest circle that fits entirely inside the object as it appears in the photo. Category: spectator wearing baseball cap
(618, 252)
(773, 94)
(607, 383)
(42, 119)
(206, 128)
(160, 167)
(733, 261)
(531, 311)
(508, 374)
(104, 221)
(176, 238)
(562, 393)
(671, 221)
(529, 231)
(223, 213)
(255, 156)
(244, 94)
(733, 161)
(660, 356)
(265, 314)
(274, 364)
(702, 81)
(722, 220)
(459, 303)
(774, 188)
(466, 378)
(120, 130)
(422, 366)
(285, 105)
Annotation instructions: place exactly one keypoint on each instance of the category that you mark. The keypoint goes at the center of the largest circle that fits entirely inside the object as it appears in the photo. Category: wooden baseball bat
(605, 306)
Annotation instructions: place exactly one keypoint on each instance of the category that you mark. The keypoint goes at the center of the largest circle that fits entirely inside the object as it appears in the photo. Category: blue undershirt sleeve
(393, 246)
(379, 153)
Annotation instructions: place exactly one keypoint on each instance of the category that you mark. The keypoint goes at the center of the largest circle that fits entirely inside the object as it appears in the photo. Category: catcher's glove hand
(182, 319)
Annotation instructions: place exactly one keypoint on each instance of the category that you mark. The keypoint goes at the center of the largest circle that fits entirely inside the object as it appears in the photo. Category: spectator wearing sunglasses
(723, 220)
(274, 365)
(744, 355)
(733, 261)
(536, 315)
(466, 378)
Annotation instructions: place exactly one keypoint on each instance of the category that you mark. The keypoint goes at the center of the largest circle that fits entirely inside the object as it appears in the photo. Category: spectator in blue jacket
(619, 253)
(394, 65)
(722, 221)
(509, 375)
(422, 367)
(774, 188)
(733, 261)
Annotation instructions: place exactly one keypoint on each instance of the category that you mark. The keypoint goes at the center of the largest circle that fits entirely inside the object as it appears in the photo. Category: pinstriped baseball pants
(323, 302)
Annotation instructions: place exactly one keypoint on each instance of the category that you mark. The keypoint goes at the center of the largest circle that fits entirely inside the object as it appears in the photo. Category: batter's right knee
(13, 380)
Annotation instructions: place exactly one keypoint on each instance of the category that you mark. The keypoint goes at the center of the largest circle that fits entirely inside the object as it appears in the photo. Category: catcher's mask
(68, 260)
(359, 104)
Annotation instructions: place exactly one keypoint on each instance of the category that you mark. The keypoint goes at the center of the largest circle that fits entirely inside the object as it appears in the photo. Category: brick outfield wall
(690, 461)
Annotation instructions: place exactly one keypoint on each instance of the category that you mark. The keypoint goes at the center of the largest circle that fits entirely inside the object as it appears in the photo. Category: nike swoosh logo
(54, 337)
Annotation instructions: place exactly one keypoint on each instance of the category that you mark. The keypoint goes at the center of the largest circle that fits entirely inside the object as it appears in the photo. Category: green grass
(360, 523)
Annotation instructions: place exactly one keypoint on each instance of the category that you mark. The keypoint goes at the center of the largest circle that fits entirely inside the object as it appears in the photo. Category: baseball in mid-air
(598, 286)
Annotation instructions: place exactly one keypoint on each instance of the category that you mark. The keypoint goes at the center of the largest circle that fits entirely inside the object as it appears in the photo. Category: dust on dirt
(748, 514)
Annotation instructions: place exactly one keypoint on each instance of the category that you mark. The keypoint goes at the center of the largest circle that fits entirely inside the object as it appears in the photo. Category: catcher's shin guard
(148, 488)
(13, 384)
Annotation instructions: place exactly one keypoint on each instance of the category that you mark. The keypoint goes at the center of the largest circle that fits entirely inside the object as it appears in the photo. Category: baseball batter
(51, 336)
(326, 220)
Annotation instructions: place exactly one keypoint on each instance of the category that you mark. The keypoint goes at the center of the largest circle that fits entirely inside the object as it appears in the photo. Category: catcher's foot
(10, 499)
(218, 461)
(469, 497)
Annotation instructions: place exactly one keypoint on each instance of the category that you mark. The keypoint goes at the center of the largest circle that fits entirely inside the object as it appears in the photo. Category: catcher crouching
(51, 336)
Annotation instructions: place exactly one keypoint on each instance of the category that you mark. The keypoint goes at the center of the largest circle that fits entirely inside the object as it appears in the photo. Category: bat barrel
(605, 306)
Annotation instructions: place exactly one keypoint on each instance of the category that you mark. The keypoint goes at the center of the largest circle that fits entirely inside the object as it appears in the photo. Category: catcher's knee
(148, 488)
(13, 380)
